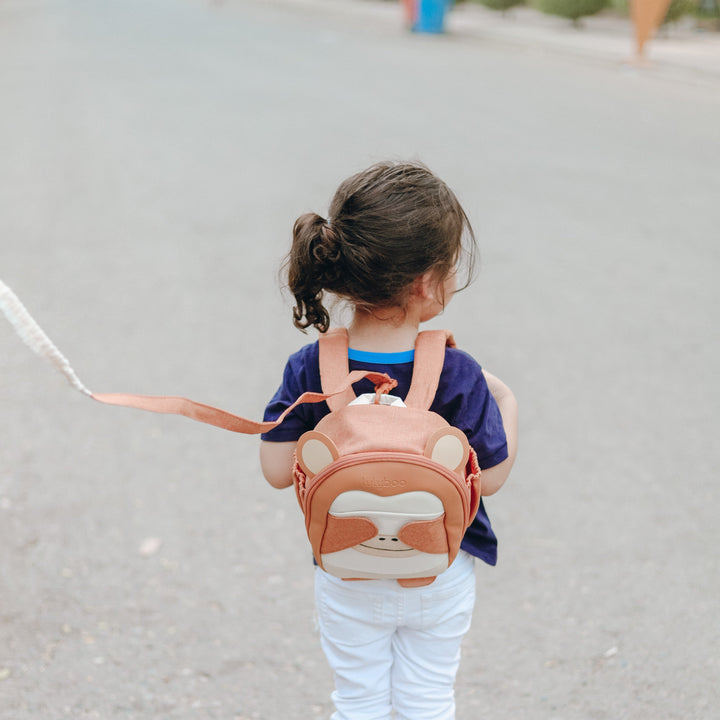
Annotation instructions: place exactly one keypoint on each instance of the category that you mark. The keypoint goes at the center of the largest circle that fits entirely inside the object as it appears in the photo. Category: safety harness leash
(37, 340)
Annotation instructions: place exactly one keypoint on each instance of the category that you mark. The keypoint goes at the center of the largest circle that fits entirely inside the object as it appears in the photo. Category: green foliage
(622, 6)
(708, 9)
(501, 4)
(572, 9)
(678, 8)
(707, 15)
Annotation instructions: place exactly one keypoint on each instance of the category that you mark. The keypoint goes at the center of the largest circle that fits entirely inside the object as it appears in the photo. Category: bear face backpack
(387, 487)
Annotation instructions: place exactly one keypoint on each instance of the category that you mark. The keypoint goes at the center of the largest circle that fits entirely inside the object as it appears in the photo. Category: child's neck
(383, 332)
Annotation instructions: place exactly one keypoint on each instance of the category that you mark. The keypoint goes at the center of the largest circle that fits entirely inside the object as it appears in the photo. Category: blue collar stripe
(377, 358)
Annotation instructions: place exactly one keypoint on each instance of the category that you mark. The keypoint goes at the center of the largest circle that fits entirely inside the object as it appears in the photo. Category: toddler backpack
(387, 487)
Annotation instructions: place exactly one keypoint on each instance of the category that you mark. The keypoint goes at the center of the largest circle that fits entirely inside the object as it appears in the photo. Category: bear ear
(315, 452)
(449, 447)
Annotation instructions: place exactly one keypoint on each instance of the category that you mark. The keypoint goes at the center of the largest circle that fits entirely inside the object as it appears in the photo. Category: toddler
(394, 247)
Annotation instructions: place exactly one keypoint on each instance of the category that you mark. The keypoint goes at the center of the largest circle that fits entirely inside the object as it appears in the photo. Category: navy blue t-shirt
(462, 398)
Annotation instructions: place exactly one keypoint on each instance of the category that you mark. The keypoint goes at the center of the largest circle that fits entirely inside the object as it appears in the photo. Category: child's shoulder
(462, 375)
(302, 368)
(306, 355)
(460, 361)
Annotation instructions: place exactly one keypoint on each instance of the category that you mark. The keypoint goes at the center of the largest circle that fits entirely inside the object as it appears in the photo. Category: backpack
(387, 487)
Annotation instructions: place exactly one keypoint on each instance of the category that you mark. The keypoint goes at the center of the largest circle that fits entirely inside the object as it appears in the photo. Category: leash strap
(210, 415)
(35, 338)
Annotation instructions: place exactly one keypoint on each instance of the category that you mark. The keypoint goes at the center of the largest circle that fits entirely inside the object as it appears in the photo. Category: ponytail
(313, 266)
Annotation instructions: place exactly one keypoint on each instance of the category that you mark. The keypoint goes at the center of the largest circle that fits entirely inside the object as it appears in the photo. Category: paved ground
(154, 156)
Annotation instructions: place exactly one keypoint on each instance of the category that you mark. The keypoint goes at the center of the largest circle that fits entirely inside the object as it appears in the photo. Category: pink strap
(429, 360)
(334, 366)
(222, 419)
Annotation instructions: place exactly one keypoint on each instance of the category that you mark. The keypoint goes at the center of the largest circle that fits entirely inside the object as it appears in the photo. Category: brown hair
(387, 226)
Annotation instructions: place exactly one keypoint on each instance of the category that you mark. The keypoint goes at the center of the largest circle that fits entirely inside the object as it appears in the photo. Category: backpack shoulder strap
(429, 360)
(334, 366)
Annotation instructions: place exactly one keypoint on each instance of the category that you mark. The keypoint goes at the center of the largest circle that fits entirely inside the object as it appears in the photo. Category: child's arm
(493, 478)
(276, 461)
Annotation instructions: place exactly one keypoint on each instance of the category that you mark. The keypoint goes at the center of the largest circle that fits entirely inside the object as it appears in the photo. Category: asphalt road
(153, 157)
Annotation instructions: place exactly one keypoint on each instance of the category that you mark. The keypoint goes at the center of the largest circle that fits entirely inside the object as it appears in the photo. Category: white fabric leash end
(34, 337)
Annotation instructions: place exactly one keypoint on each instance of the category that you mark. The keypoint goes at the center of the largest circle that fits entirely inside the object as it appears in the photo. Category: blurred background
(153, 158)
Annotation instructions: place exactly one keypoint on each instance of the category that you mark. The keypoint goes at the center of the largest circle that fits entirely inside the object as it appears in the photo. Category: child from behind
(393, 246)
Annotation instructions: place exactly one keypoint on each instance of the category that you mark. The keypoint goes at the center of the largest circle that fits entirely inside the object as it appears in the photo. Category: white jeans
(395, 648)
